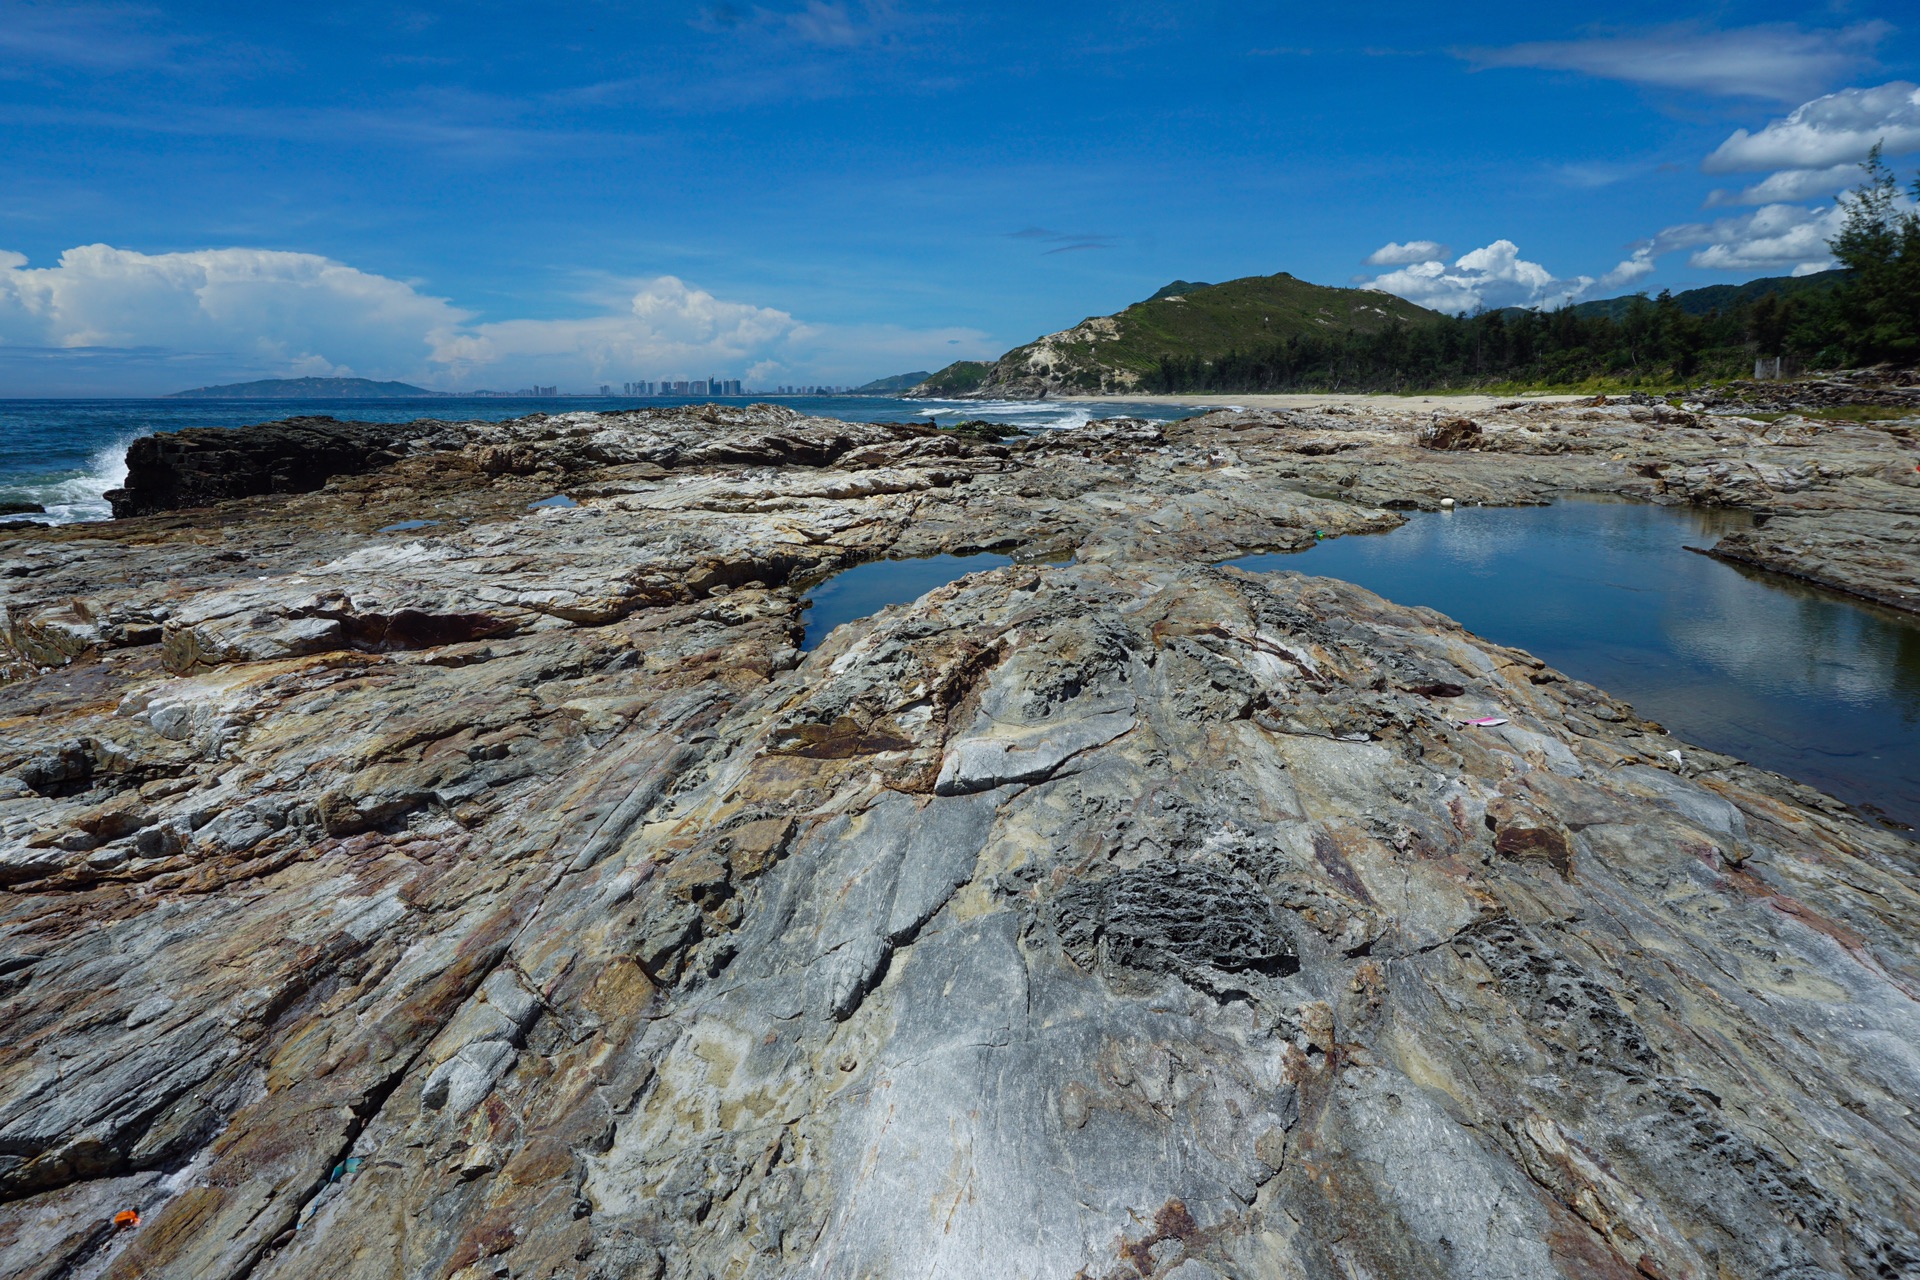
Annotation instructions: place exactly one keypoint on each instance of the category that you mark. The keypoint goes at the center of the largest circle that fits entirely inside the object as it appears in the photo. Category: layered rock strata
(508, 896)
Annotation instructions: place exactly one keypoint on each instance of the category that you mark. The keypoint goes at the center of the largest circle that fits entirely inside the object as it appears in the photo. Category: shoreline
(1466, 402)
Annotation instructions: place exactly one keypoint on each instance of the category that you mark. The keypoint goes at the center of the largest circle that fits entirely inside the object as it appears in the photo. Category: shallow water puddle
(557, 500)
(1790, 677)
(407, 526)
(868, 588)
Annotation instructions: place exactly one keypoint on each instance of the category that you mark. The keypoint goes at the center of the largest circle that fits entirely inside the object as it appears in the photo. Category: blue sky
(490, 195)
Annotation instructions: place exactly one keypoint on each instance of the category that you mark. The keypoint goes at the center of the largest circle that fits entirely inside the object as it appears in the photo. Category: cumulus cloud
(1493, 276)
(266, 307)
(1831, 130)
(229, 314)
(1815, 150)
(1776, 61)
(1393, 254)
(1629, 270)
(1772, 237)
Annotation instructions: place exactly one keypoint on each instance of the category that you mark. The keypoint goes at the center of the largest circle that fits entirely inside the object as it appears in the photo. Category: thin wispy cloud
(1061, 241)
(454, 128)
(1778, 61)
(825, 24)
(1592, 175)
(98, 37)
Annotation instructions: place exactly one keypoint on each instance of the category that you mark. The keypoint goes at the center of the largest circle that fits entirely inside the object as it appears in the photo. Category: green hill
(1116, 354)
(892, 386)
(307, 389)
(962, 377)
(1720, 297)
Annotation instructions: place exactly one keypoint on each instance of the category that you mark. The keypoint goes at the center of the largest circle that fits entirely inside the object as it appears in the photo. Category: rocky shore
(405, 874)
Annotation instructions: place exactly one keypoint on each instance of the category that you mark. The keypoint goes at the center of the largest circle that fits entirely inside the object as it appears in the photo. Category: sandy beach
(1463, 403)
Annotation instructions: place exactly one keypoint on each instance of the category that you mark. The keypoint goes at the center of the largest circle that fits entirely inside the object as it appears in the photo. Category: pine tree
(1877, 312)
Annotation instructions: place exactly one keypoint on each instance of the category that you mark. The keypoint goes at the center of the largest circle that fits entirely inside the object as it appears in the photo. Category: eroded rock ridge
(504, 894)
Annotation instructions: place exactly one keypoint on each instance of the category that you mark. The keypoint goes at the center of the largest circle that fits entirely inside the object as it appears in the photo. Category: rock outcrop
(203, 465)
(506, 895)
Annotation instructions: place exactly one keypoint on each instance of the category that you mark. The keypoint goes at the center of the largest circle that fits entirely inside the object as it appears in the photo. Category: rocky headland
(402, 874)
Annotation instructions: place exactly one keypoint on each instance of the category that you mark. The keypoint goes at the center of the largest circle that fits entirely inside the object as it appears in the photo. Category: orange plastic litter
(126, 1218)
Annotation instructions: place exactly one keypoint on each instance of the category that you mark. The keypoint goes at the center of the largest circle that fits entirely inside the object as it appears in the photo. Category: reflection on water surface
(1795, 679)
(866, 589)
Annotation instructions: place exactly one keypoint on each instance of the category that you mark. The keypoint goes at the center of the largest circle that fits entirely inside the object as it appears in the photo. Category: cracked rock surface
(510, 897)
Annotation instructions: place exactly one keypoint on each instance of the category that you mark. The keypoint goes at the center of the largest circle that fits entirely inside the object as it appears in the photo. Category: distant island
(308, 389)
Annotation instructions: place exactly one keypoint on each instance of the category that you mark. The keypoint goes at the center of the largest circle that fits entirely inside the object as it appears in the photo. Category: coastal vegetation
(1867, 312)
(890, 386)
(957, 378)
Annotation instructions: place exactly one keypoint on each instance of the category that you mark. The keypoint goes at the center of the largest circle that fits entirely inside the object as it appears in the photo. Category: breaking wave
(73, 496)
(1044, 415)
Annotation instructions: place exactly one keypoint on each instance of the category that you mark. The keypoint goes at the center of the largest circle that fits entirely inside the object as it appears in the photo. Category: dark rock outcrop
(1450, 435)
(200, 466)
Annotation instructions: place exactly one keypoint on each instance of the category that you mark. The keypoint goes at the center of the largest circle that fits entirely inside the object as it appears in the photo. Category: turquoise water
(1792, 678)
(866, 589)
(65, 454)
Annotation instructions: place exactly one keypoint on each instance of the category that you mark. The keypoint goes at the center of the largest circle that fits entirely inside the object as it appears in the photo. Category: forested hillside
(1868, 313)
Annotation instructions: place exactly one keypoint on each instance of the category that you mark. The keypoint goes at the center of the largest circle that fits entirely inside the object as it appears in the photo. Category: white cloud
(1774, 61)
(1493, 276)
(1815, 151)
(230, 314)
(1635, 267)
(266, 307)
(1771, 238)
(1392, 254)
(1836, 129)
(1790, 184)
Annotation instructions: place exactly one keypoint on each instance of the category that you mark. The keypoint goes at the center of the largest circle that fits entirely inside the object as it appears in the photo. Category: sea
(64, 455)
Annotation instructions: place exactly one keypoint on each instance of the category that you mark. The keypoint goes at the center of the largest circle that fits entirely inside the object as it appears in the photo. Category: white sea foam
(1034, 415)
(73, 496)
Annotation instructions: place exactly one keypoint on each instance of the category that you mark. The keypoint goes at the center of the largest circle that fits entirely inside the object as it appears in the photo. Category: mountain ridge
(1115, 354)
